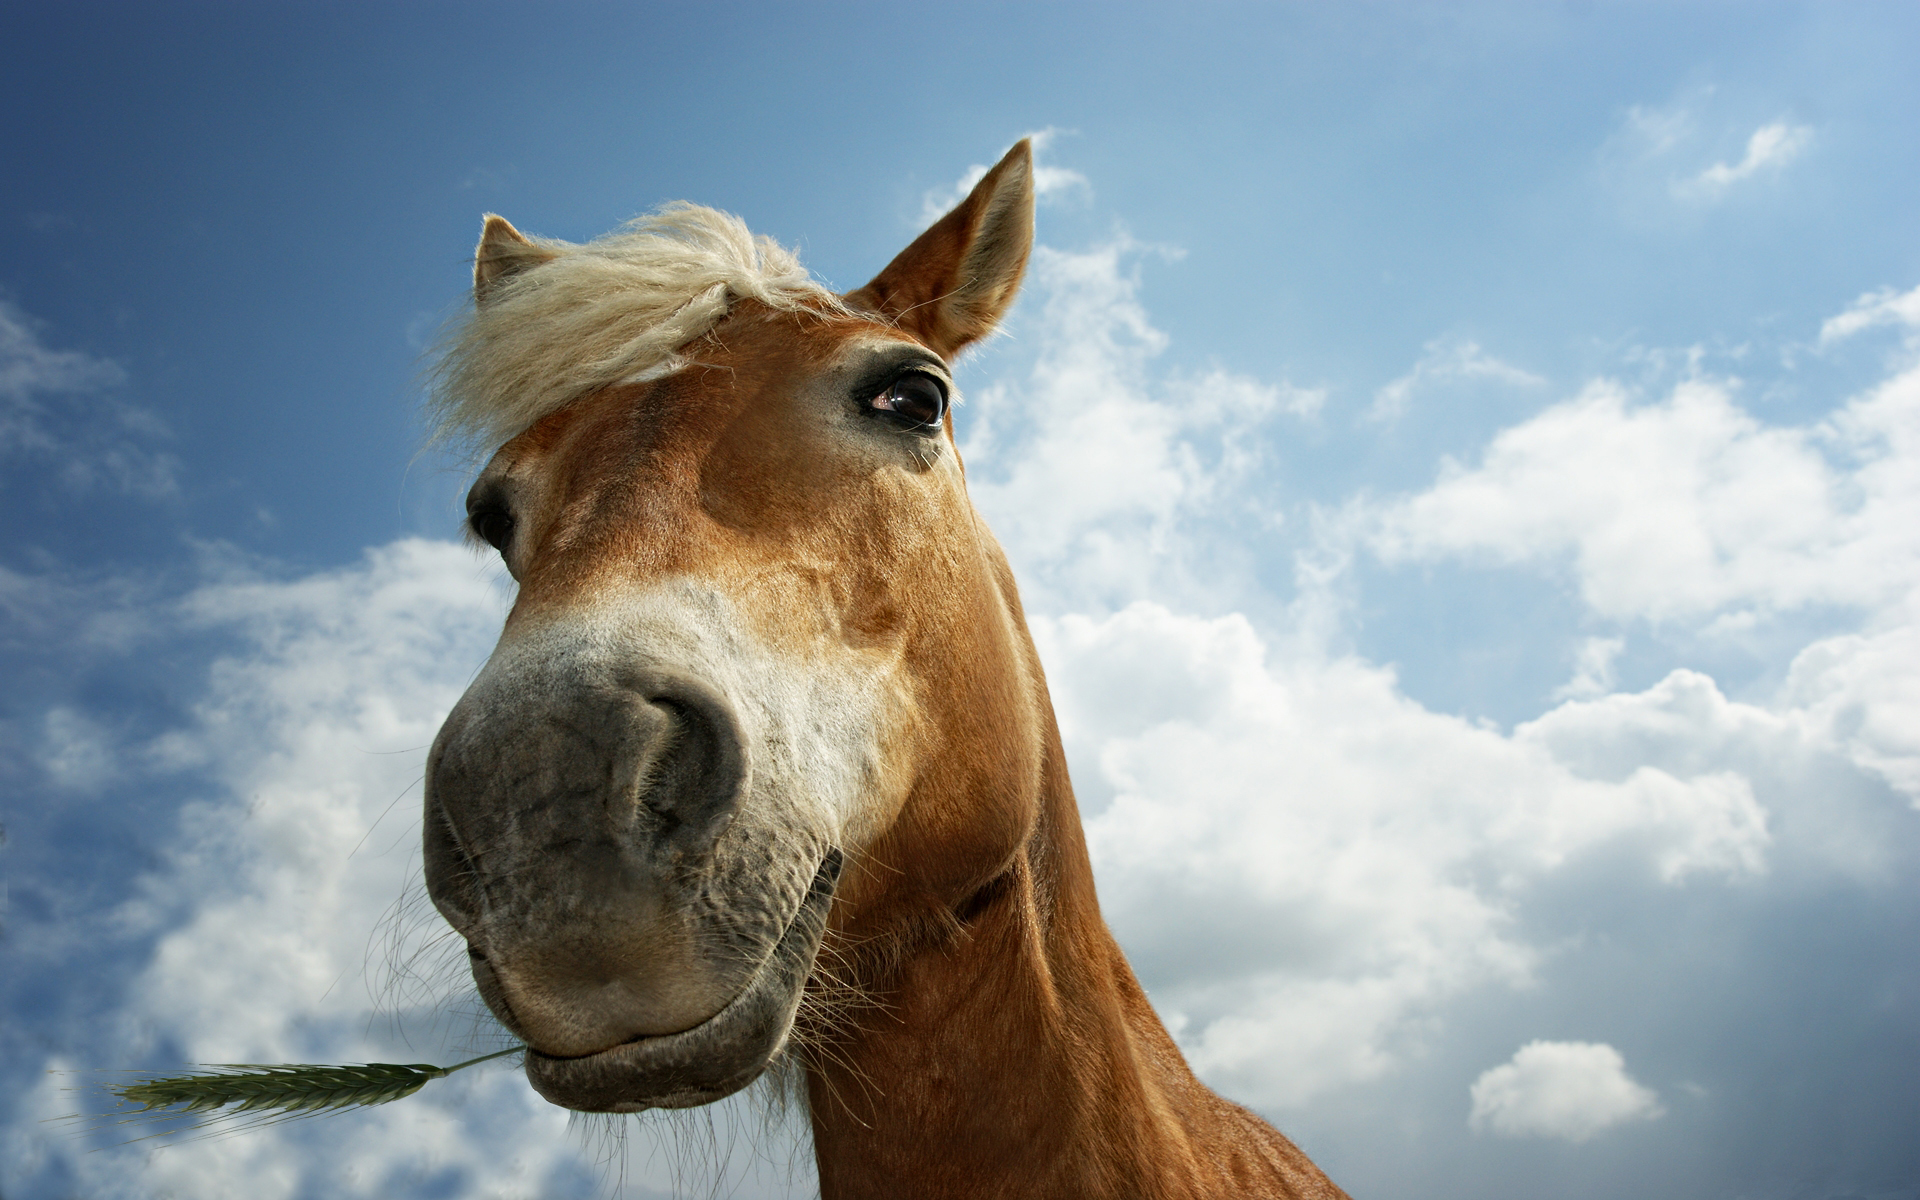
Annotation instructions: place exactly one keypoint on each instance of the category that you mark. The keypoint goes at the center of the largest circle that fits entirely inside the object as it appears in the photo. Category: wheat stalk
(287, 1088)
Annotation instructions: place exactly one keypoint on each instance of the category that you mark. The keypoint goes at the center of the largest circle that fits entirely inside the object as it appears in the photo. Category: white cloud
(1305, 863)
(1050, 183)
(75, 751)
(313, 733)
(54, 406)
(1861, 691)
(1688, 507)
(1307, 866)
(1659, 130)
(1663, 153)
(1222, 398)
(1770, 148)
(1085, 465)
(27, 368)
(1593, 668)
(317, 735)
(1445, 361)
(1565, 1090)
(1884, 307)
(1692, 512)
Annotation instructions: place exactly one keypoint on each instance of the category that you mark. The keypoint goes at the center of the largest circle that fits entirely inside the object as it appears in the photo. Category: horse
(763, 772)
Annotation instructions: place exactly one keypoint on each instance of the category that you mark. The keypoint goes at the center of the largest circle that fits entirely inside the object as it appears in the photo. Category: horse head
(765, 672)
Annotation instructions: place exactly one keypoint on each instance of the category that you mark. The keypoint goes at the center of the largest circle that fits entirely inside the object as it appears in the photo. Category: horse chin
(715, 1058)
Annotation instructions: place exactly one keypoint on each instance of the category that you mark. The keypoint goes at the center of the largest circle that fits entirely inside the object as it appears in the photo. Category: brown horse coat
(764, 764)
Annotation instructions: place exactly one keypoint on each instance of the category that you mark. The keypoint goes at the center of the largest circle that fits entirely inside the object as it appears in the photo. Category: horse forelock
(618, 309)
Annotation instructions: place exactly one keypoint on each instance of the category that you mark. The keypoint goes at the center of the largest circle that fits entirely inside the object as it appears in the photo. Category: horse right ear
(503, 251)
(955, 282)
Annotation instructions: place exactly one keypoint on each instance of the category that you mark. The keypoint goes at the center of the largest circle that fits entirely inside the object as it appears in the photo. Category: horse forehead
(755, 413)
(782, 347)
(758, 353)
(719, 478)
(759, 364)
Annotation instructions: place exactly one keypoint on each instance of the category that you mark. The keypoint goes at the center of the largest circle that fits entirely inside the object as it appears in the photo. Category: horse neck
(1020, 1057)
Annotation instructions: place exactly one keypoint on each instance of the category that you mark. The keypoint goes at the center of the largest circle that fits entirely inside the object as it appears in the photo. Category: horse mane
(617, 309)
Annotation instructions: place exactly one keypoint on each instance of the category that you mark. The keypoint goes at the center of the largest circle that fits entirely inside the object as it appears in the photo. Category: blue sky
(1460, 461)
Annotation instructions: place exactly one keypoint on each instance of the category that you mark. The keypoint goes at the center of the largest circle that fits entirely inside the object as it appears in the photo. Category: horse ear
(503, 251)
(955, 282)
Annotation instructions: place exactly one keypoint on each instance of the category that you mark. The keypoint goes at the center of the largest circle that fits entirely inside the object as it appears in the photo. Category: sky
(1462, 464)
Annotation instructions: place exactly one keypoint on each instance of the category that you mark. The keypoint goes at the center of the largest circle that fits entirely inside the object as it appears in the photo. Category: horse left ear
(955, 282)
(503, 251)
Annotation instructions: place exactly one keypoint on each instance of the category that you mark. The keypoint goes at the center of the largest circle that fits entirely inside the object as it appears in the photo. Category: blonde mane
(617, 309)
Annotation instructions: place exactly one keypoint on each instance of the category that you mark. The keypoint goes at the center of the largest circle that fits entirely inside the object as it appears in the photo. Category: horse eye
(916, 400)
(493, 526)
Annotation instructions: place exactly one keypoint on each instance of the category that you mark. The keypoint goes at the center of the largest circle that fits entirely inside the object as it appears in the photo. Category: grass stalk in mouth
(292, 1088)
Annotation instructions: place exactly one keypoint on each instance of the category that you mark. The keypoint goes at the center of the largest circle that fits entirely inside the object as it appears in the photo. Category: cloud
(1050, 183)
(1565, 1090)
(284, 870)
(1862, 693)
(1304, 863)
(1372, 854)
(55, 405)
(58, 609)
(1593, 668)
(1104, 477)
(1664, 153)
(1658, 130)
(1308, 868)
(1884, 307)
(75, 751)
(1770, 148)
(1692, 512)
(1445, 361)
(1688, 507)
(28, 367)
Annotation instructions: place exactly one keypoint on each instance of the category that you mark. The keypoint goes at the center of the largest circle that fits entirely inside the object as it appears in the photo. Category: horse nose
(569, 801)
(603, 776)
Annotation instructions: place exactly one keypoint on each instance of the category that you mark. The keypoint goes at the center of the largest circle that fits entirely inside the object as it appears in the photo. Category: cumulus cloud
(56, 405)
(1862, 693)
(1305, 863)
(1565, 1090)
(1691, 511)
(288, 873)
(1686, 507)
(1104, 476)
(1308, 866)
(1445, 361)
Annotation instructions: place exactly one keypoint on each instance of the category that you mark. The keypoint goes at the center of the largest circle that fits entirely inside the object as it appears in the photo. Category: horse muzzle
(585, 833)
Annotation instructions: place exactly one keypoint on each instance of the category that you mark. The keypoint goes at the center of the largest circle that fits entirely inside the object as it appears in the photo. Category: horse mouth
(715, 1058)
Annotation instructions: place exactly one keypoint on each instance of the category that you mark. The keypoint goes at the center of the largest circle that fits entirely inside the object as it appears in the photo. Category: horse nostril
(453, 883)
(696, 776)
